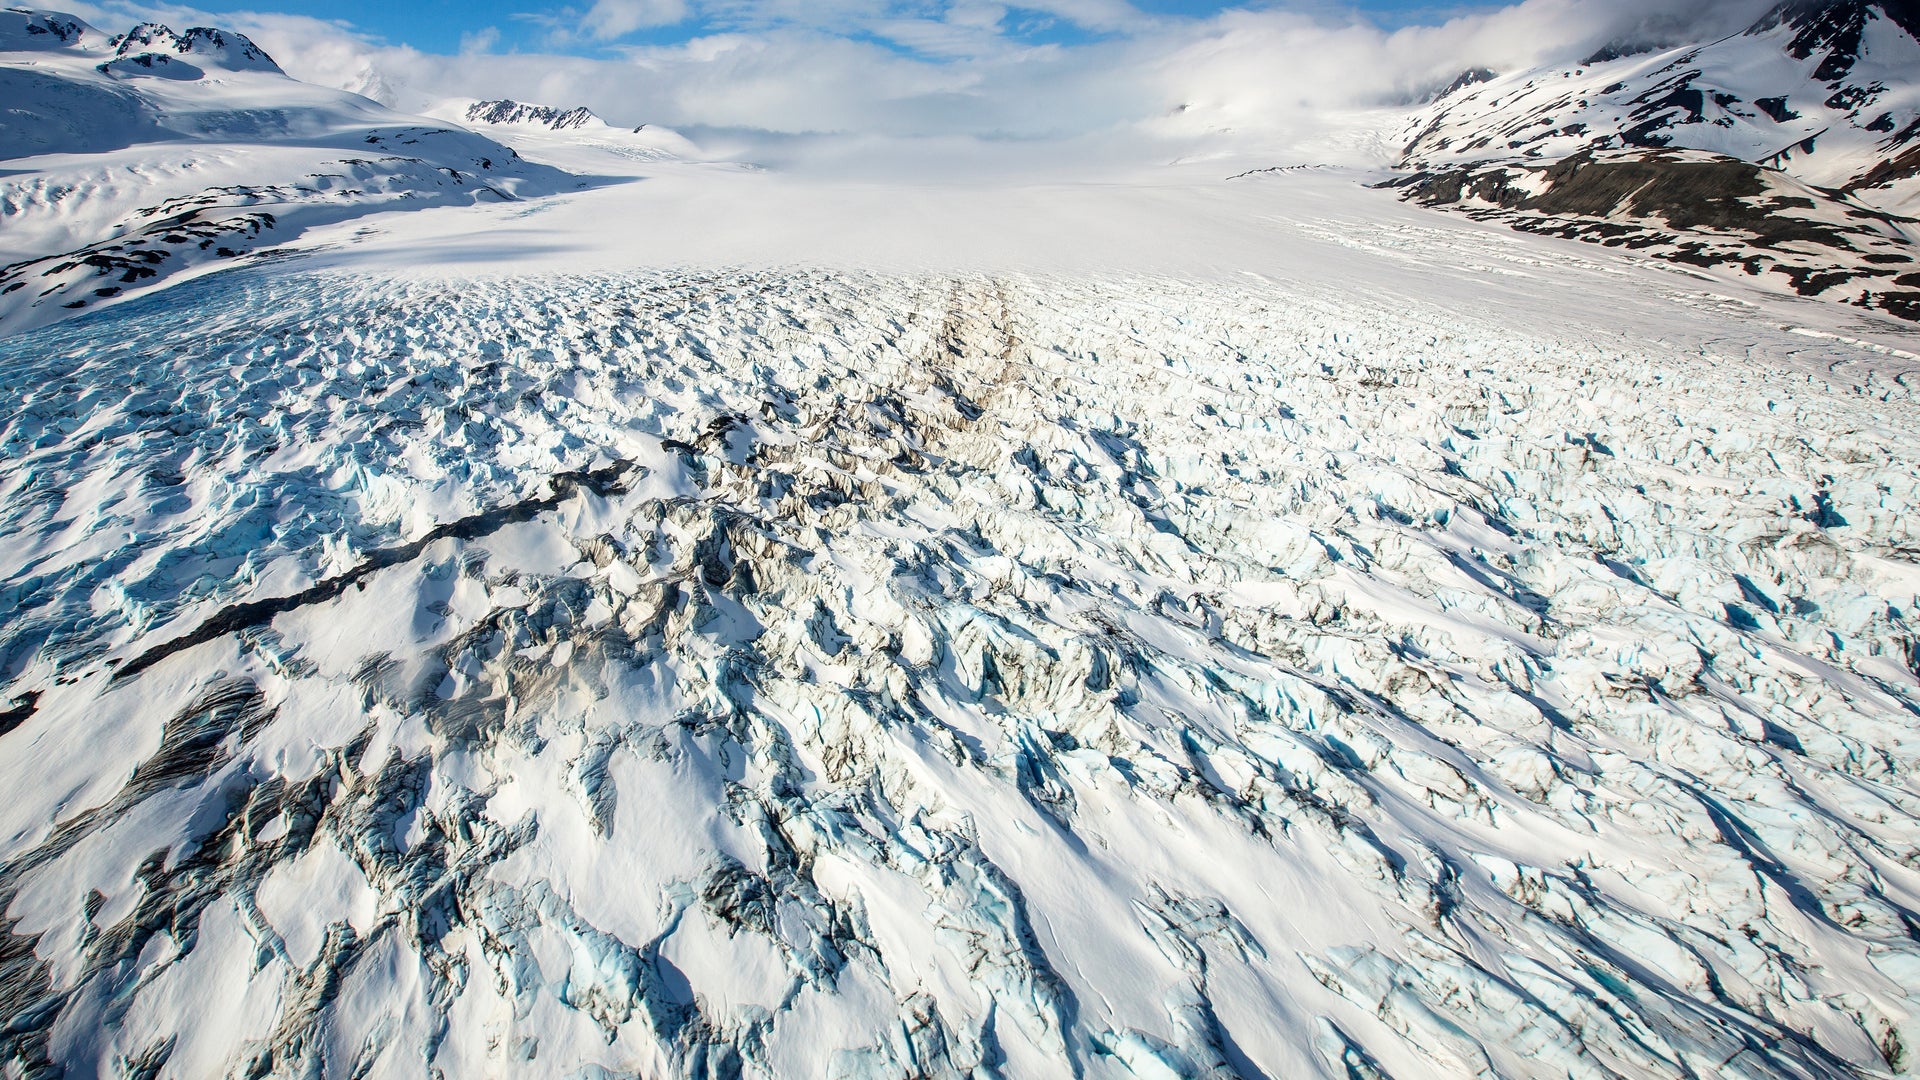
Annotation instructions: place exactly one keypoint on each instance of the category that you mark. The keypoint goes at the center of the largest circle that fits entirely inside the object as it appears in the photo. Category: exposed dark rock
(514, 112)
(1834, 28)
(1698, 209)
(609, 479)
(1618, 50)
(1470, 77)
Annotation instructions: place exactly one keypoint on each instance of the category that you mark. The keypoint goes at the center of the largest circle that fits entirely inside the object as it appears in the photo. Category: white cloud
(609, 19)
(917, 77)
(1113, 15)
(479, 41)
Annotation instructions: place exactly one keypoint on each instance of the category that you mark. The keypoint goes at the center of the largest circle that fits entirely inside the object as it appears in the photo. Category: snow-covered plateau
(713, 622)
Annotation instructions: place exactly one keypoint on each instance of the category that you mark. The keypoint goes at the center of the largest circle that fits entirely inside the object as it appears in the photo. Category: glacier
(505, 594)
(865, 673)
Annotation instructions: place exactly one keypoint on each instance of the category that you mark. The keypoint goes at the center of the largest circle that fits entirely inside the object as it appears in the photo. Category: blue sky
(445, 26)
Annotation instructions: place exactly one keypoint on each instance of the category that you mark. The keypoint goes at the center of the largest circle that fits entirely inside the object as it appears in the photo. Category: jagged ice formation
(834, 674)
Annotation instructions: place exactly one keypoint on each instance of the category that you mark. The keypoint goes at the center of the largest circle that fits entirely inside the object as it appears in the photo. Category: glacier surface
(815, 672)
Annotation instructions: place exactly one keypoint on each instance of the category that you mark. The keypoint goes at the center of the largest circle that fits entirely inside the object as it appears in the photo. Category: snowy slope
(1701, 210)
(1808, 124)
(133, 158)
(1828, 91)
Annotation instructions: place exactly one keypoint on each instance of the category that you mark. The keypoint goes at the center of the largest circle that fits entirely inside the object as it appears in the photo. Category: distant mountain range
(574, 137)
(1787, 154)
(546, 116)
(1790, 151)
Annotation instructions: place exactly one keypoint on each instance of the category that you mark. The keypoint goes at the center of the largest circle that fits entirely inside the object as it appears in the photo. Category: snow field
(834, 674)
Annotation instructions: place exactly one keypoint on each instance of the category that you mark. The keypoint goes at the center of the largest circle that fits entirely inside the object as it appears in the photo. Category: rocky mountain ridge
(546, 116)
(205, 44)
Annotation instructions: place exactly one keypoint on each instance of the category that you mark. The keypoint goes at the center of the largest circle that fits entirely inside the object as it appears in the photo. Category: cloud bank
(773, 73)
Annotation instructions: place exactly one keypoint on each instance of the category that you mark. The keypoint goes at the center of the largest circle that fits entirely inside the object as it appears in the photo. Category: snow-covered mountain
(133, 158)
(572, 137)
(151, 44)
(1820, 97)
(1828, 91)
(546, 116)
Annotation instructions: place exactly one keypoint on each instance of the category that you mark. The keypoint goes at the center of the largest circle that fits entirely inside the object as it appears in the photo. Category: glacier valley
(858, 674)
(496, 593)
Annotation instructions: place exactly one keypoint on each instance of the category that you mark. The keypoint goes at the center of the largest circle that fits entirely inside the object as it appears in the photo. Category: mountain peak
(1619, 49)
(515, 112)
(1834, 29)
(1470, 77)
(210, 46)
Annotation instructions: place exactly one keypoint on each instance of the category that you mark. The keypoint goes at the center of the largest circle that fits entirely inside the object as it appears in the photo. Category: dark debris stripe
(606, 481)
